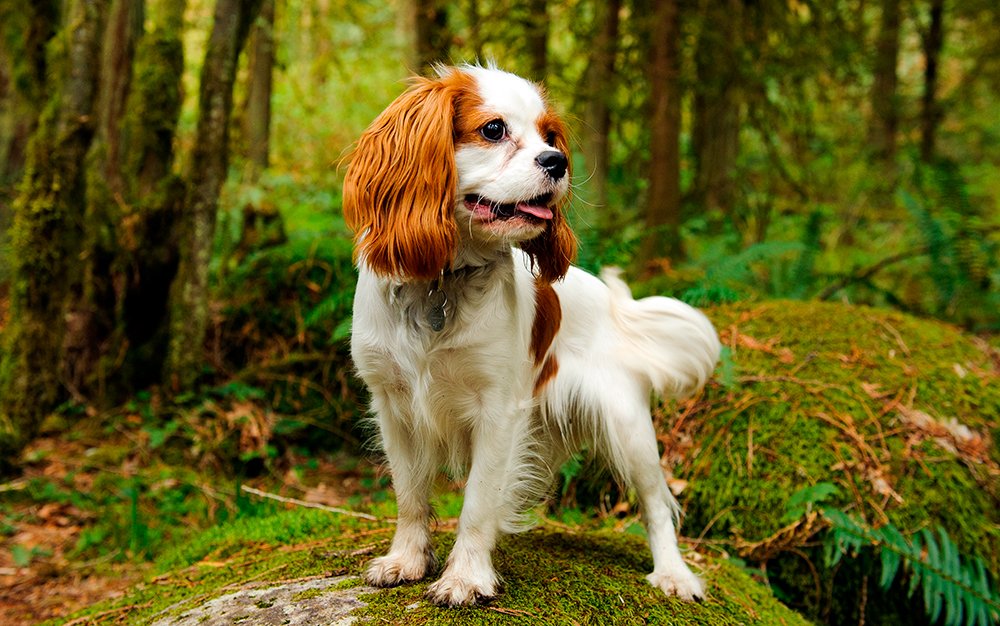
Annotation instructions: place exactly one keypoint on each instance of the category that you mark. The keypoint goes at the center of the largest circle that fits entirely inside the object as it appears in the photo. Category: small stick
(313, 505)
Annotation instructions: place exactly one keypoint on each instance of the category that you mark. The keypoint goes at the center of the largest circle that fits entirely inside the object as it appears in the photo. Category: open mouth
(534, 210)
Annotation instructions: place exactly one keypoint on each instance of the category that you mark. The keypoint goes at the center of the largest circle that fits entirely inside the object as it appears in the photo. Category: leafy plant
(955, 586)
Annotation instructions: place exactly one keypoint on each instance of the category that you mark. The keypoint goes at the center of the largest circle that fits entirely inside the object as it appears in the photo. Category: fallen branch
(314, 505)
(864, 274)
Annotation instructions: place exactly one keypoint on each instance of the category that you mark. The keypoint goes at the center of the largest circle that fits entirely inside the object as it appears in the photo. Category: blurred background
(176, 277)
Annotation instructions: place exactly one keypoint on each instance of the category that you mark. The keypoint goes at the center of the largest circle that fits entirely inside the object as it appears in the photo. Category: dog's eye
(550, 139)
(494, 130)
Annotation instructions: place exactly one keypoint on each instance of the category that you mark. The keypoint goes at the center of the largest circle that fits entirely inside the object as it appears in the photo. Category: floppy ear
(554, 250)
(399, 192)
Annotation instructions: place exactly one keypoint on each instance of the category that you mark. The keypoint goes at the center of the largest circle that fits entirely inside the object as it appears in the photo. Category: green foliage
(811, 420)
(959, 586)
(963, 258)
(805, 500)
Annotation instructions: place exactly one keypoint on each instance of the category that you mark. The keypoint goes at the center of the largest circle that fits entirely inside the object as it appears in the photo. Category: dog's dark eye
(550, 139)
(494, 130)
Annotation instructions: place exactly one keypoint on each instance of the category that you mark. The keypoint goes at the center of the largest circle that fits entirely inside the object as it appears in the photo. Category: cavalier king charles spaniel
(484, 350)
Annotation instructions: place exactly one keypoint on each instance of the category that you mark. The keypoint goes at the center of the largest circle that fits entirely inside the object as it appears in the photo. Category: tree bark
(537, 36)
(47, 222)
(717, 104)
(257, 112)
(27, 27)
(930, 111)
(885, 105)
(91, 307)
(663, 204)
(433, 37)
(209, 165)
(600, 87)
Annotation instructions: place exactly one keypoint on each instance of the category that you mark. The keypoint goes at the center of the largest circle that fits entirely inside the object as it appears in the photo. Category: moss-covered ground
(889, 418)
(900, 415)
(552, 576)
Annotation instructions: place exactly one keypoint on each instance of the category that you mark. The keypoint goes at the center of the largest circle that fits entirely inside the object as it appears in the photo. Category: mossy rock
(551, 576)
(900, 414)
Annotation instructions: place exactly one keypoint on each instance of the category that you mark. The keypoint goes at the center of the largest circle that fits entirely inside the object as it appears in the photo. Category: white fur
(463, 397)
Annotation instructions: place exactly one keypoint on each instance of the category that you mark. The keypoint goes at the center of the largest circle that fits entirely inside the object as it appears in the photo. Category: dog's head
(474, 159)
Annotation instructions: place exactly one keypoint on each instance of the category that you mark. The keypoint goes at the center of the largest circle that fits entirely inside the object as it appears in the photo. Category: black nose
(553, 162)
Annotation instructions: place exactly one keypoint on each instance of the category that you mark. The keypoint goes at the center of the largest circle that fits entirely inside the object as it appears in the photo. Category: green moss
(819, 396)
(554, 576)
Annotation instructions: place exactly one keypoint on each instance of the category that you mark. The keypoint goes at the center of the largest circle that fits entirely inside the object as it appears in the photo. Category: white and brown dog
(483, 348)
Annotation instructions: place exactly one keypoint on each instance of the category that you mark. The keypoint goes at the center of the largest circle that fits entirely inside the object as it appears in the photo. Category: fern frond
(957, 588)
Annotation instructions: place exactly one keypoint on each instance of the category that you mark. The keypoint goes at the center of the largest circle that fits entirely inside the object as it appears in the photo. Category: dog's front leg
(413, 468)
(469, 577)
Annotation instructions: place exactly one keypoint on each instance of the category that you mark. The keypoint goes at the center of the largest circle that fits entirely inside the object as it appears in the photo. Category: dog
(483, 349)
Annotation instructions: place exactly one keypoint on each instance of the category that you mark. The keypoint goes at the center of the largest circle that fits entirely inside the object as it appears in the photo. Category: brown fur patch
(549, 370)
(548, 317)
(553, 250)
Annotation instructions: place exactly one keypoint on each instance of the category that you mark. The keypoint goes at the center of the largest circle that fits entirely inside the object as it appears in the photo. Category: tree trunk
(885, 105)
(663, 205)
(148, 254)
(91, 306)
(26, 26)
(116, 340)
(600, 87)
(48, 216)
(209, 164)
(257, 112)
(930, 113)
(433, 37)
(537, 36)
(717, 103)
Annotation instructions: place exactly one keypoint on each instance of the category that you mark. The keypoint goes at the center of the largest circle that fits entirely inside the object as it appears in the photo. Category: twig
(314, 505)
(14, 485)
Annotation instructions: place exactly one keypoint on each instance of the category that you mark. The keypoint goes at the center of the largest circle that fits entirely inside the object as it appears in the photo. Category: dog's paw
(452, 590)
(395, 569)
(680, 582)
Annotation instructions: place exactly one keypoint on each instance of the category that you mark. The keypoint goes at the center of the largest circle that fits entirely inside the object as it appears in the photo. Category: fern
(959, 587)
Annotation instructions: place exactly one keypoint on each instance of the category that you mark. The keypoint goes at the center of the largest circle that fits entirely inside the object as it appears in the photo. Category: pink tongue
(540, 212)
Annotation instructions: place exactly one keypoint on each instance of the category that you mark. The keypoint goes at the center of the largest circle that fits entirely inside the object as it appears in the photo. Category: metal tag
(436, 314)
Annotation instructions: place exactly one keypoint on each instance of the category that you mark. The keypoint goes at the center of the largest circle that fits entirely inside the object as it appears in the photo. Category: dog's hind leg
(630, 447)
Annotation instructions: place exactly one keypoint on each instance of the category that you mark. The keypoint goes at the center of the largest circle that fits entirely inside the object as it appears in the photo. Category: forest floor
(39, 579)
(50, 566)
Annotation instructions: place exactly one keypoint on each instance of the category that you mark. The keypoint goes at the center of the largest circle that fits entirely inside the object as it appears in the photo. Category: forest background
(176, 277)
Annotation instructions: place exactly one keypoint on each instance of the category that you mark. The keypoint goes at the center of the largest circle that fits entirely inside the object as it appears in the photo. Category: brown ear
(399, 192)
(554, 250)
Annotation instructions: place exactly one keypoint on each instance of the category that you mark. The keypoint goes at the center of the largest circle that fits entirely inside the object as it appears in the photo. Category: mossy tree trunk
(257, 109)
(90, 311)
(208, 168)
(48, 216)
(115, 340)
(26, 26)
(148, 240)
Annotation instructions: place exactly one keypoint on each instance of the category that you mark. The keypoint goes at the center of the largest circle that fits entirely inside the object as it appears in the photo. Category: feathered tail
(669, 342)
